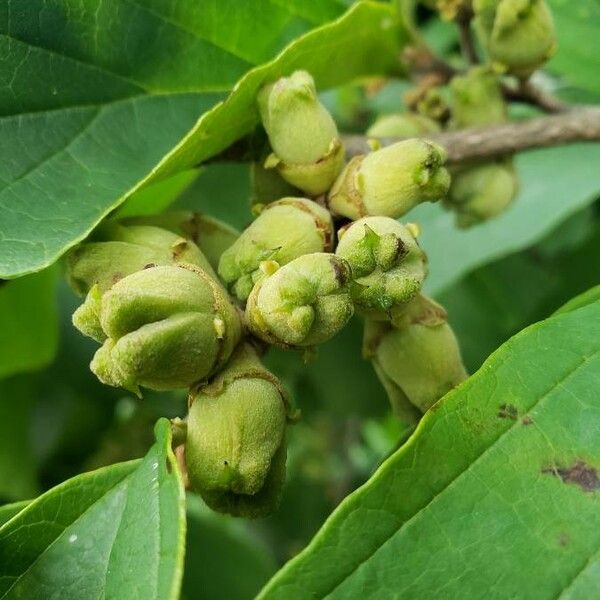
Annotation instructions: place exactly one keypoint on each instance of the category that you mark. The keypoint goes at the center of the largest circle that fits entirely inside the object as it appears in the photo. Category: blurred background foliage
(57, 420)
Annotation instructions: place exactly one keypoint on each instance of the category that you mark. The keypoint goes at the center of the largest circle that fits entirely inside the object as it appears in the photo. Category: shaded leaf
(114, 533)
(555, 183)
(577, 25)
(28, 323)
(224, 559)
(494, 494)
(107, 98)
(18, 468)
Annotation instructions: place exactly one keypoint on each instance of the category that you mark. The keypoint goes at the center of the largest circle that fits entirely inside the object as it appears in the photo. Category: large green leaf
(494, 496)
(105, 98)
(113, 533)
(577, 26)
(555, 183)
(28, 323)
(8, 511)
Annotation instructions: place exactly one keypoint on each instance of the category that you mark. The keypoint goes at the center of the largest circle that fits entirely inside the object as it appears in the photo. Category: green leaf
(113, 533)
(157, 197)
(28, 323)
(589, 297)
(555, 183)
(577, 25)
(224, 559)
(8, 511)
(108, 98)
(495, 494)
(18, 468)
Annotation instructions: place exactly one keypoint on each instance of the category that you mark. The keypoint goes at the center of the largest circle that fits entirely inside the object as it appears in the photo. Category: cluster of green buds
(284, 230)
(416, 357)
(517, 34)
(155, 305)
(482, 191)
(183, 301)
(307, 151)
(236, 437)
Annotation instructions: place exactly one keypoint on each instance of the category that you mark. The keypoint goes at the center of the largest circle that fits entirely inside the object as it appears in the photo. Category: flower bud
(518, 34)
(481, 192)
(304, 303)
(391, 181)
(211, 235)
(235, 449)
(307, 150)
(388, 266)
(406, 124)
(285, 230)
(116, 251)
(166, 327)
(477, 99)
(419, 354)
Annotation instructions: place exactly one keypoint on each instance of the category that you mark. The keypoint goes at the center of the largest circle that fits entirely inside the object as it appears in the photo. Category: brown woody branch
(576, 125)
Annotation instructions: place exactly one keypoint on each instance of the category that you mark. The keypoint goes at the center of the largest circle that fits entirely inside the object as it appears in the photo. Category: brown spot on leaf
(508, 411)
(149, 266)
(527, 421)
(580, 474)
(564, 539)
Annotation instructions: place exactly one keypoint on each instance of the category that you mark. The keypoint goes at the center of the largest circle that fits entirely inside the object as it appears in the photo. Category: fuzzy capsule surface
(388, 266)
(391, 181)
(164, 328)
(406, 124)
(481, 192)
(118, 250)
(517, 34)
(211, 235)
(304, 303)
(285, 230)
(476, 99)
(307, 151)
(235, 448)
(419, 354)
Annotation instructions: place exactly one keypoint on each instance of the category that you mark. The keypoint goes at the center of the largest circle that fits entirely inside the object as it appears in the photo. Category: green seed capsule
(166, 328)
(211, 235)
(391, 181)
(388, 266)
(116, 251)
(419, 354)
(477, 99)
(304, 303)
(307, 150)
(285, 230)
(518, 34)
(402, 125)
(235, 449)
(482, 192)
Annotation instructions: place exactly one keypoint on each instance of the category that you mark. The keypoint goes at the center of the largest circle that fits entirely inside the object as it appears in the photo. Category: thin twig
(465, 36)
(529, 93)
(577, 125)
